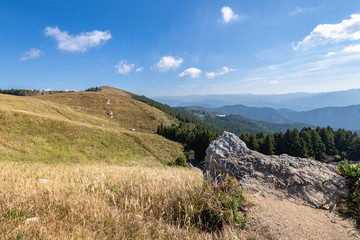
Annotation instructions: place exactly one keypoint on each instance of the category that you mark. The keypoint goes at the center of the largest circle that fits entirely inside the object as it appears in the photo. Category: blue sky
(182, 47)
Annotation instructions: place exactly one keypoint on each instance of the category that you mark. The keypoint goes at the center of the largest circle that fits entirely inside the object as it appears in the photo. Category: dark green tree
(318, 146)
(268, 145)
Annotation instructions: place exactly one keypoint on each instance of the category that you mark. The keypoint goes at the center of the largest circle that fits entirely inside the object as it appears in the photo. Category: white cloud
(330, 54)
(228, 15)
(352, 49)
(123, 67)
(215, 74)
(77, 43)
(70, 90)
(167, 63)
(274, 82)
(348, 29)
(191, 73)
(139, 69)
(34, 53)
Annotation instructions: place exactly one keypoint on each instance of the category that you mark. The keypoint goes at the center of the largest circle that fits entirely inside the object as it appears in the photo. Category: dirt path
(282, 219)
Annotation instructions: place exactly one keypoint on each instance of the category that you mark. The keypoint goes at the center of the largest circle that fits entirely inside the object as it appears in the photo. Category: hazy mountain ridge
(336, 117)
(260, 114)
(294, 101)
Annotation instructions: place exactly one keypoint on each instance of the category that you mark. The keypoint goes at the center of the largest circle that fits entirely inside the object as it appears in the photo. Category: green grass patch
(351, 205)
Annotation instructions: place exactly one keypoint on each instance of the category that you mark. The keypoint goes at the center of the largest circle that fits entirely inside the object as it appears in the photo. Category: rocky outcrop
(306, 181)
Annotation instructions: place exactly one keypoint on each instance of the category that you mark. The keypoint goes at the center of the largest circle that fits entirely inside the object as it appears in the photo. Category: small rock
(44, 180)
(33, 219)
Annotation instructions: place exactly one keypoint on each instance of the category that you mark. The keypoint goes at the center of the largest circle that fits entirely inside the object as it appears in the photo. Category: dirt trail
(282, 219)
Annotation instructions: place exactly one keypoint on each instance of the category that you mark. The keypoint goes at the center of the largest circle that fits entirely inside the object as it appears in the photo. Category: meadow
(101, 201)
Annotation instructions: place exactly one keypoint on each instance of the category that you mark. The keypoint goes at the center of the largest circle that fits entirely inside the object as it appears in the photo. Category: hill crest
(77, 126)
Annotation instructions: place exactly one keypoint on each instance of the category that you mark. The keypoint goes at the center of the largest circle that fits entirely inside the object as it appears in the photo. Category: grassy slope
(76, 127)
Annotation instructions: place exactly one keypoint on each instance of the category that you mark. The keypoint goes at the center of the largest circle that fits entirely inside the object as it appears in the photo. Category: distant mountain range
(261, 114)
(293, 101)
(337, 117)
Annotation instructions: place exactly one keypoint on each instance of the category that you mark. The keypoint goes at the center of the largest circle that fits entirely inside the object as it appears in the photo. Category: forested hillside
(323, 144)
(192, 132)
(239, 124)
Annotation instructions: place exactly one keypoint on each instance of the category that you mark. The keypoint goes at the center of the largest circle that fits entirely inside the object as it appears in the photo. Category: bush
(181, 161)
(93, 89)
(351, 205)
(210, 208)
(337, 158)
(195, 208)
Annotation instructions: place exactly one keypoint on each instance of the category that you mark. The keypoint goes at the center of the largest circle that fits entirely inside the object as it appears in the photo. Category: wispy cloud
(139, 69)
(228, 15)
(77, 43)
(352, 48)
(34, 53)
(299, 10)
(309, 72)
(330, 54)
(167, 63)
(347, 30)
(191, 73)
(224, 71)
(123, 67)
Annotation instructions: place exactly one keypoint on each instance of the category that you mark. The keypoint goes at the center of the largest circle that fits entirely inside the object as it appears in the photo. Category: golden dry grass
(96, 201)
(128, 113)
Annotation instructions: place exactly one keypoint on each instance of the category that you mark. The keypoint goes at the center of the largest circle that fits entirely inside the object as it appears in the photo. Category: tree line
(25, 92)
(320, 144)
(20, 92)
(93, 89)
(308, 143)
(195, 138)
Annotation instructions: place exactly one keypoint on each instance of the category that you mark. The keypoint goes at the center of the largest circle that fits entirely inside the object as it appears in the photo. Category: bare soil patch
(273, 218)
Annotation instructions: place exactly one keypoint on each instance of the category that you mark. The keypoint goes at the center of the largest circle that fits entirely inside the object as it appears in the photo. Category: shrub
(202, 208)
(210, 208)
(93, 89)
(337, 158)
(351, 205)
(181, 161)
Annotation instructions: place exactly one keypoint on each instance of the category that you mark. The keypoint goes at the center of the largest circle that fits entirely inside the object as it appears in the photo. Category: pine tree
(318, 146)
(268, 145)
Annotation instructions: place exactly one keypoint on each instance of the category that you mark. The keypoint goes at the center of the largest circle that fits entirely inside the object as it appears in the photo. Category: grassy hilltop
(76, 127)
